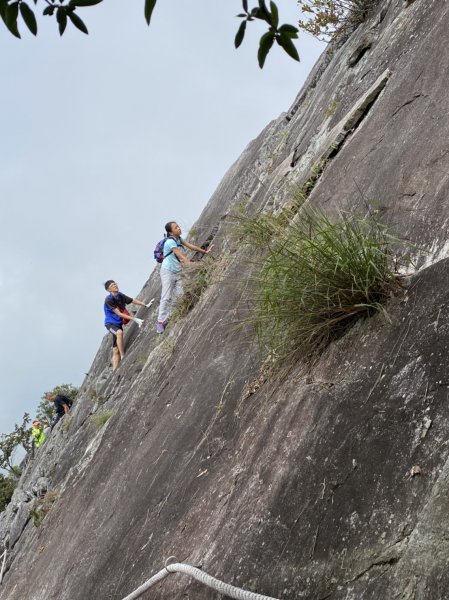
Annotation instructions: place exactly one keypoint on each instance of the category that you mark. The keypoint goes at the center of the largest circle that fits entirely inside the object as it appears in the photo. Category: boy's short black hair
(108, 283)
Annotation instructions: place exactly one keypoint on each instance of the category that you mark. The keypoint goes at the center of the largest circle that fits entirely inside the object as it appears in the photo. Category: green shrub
(21, 436)
(315, 277)
(100, 419)
(36, 516)
(66, 423)
(43, 506)
(7, 487)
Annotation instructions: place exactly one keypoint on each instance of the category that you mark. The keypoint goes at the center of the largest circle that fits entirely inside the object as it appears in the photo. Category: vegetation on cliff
(315, 276)
(9, 442)
(21, 437)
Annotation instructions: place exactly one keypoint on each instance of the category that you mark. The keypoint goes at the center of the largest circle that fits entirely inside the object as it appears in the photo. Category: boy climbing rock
(116, 315)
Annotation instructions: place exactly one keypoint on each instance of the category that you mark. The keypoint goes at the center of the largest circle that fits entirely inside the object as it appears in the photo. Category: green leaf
(3, 8)
(12, 12)
(245, 5)
(84, 2)
(274, 15)
(48, 10)
(266, 41)
(149, 7)
(240, 34)
(61, 17)
(79, 23)
(289, 30)
(28, 17)
(285, 42)
(264, 13)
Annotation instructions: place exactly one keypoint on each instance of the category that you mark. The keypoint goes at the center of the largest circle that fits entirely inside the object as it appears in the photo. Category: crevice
(391, 556)
(415, 97)
(378, 563)
(360, 52)
(319, 71)
(344, 129)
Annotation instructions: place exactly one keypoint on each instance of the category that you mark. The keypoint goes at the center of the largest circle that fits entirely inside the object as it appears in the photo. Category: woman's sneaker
(160, 327)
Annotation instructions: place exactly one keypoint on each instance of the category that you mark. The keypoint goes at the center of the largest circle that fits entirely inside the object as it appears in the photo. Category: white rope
(216, 584)
(3, 566)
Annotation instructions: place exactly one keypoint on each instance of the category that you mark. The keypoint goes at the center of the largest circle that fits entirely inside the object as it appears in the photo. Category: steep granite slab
(301, 487)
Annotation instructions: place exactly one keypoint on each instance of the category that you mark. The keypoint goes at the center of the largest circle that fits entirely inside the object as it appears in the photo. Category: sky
(105, 138)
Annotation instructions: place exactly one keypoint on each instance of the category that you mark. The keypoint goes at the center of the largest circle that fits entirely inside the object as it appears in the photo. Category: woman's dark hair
(169, 225)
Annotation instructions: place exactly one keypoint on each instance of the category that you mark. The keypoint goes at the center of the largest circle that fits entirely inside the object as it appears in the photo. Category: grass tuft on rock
(196, 278)
(314, 277)
(101, 419)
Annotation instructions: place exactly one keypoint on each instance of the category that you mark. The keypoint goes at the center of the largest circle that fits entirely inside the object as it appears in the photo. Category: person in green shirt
(38, 433)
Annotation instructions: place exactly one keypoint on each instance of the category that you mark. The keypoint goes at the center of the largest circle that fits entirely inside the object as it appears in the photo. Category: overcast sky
(104, 138)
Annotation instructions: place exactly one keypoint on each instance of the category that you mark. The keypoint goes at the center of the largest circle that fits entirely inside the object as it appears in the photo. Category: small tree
(9, 442)
(45, 410)
(7, 487)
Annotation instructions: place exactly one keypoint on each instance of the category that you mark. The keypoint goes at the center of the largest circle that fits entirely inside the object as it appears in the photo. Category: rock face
(330, 482)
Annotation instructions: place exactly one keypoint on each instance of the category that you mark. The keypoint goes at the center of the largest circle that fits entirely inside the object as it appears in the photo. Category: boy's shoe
(160, 327)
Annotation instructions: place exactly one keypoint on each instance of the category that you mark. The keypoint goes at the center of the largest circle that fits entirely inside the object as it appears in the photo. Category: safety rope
(3, 566)
(216, 584)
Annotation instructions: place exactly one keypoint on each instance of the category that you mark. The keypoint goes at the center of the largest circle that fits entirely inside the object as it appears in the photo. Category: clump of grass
(196, 279)
(66, 423)
(301, 193)
(36, 516)
(193, 232)
(101, 419)
(95, 396)
(273, 220)
(316, 276)
(43, 507)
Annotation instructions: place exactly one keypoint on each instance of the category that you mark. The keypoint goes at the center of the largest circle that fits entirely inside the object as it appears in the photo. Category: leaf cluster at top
(322, 18)
(66, 12)
(282, 35)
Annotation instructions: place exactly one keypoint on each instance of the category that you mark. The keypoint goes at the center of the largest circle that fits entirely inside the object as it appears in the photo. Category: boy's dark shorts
(113, 330)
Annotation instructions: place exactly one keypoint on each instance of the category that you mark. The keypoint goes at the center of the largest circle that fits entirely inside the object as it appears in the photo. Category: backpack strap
(170, 237)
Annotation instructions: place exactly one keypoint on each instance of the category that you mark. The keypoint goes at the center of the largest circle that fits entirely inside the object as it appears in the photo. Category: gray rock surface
(301, 486)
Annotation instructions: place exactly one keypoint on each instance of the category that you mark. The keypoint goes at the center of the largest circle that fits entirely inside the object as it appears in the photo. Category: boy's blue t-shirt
(119, 301)
(170, 262)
